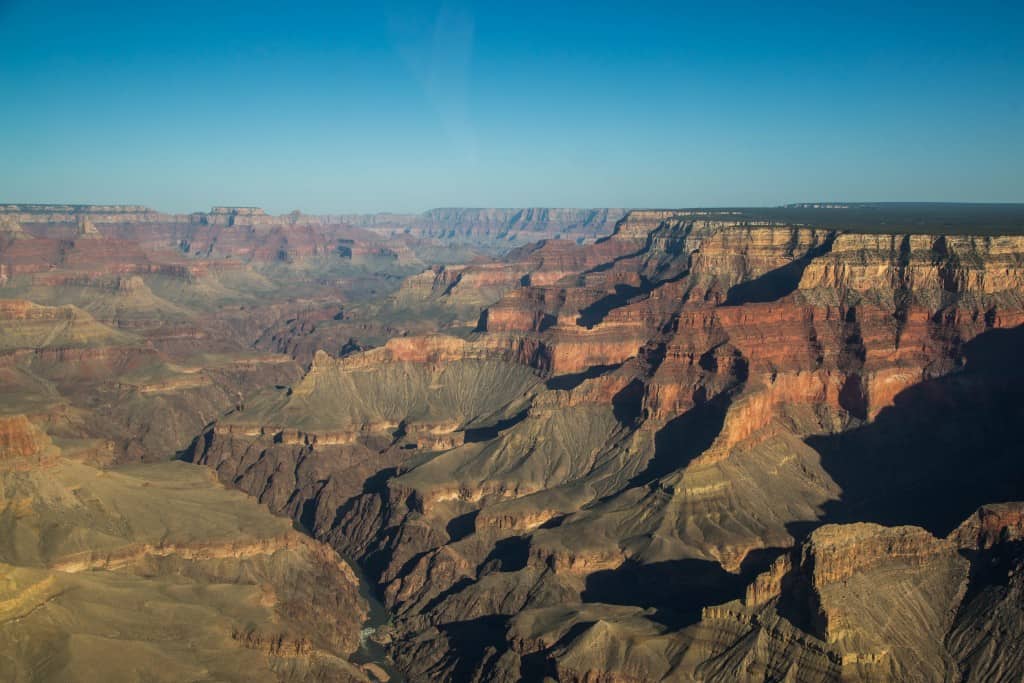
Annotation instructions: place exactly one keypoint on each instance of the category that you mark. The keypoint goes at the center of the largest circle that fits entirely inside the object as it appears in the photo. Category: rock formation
(160, 570)
(511, 227)
(701, 381)
(701, 445)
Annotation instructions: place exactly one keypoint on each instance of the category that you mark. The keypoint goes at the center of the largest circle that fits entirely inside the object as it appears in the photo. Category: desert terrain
(512, 444)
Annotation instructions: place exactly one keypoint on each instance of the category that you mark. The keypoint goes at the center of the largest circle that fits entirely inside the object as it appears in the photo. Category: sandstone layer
(157, 572)
(703, 395)
(707, 445)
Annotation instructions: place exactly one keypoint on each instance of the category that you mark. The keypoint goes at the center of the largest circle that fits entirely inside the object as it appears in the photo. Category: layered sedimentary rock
(21, 439)
(135, 329)
(87, 380)
(852, 602)
(508, 226)
(710, 445)
(118, 344)
(161, 571)
(705, 381)
(351, 417)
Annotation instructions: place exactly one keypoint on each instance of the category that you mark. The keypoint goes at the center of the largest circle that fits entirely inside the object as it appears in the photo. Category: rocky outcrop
(719, 363)
(708, 446)
(498, 226)
(10, 228)
(992, 525)
(86, 228)
(880, 600)
(155, 575)
(19, 438)
(853, 602)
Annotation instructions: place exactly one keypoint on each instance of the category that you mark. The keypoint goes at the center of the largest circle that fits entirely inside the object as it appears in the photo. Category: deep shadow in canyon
(677, 589)
(946, 446)
(684, 438)
(777, 283)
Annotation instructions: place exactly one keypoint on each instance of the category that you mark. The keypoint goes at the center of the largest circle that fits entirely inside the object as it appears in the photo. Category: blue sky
(334, 107)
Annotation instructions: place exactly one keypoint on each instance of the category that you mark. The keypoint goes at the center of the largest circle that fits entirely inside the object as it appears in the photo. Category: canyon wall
(711, 394)
(687, 445)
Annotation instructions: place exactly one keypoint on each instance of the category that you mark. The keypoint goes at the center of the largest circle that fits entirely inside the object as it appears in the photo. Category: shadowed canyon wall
(587, 445)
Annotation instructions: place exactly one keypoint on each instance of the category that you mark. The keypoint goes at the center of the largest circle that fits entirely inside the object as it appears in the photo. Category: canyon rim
(500, 445)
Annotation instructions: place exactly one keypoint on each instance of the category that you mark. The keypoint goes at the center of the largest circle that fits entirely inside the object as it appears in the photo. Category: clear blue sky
(359, 107)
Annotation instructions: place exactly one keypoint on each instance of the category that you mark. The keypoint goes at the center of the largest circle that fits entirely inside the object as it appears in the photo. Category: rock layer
(711, 445)
(706, 380)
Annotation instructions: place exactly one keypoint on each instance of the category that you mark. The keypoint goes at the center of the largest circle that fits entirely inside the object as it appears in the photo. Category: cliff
(708, 445)
(708, 379)
(104, 567)
(499, 226)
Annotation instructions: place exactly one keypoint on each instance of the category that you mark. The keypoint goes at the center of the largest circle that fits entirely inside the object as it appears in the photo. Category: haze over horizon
(621, 342)
(405, 107)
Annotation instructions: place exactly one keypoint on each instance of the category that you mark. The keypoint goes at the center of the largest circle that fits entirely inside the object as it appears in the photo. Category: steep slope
(880, 603)
(712, 445)
(349, 418)
(158, 572)
(856, 602)
(714, 388)
(495, 228)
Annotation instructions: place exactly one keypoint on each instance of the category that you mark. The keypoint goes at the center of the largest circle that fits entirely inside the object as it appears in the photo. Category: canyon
(554, 444)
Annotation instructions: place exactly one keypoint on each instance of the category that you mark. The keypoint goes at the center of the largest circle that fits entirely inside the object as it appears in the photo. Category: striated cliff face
(128, 239)
(858, 602)
(882, 603)
(486, 227)
(251, 233)
(20, 439)
(106, 355)
(705, 448)
(124, 332)
(134, 330)
(139, 567)
(672, 445)
(884, 617)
